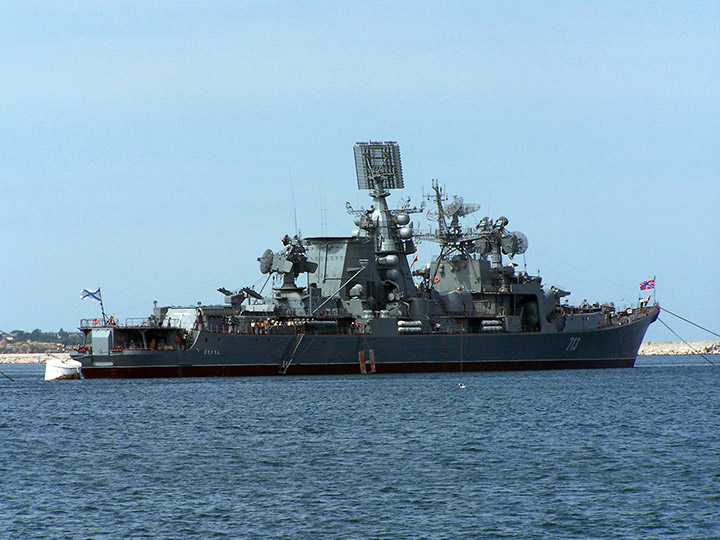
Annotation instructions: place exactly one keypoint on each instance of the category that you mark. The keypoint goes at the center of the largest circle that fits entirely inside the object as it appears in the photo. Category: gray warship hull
(219, 354)
(366, 309)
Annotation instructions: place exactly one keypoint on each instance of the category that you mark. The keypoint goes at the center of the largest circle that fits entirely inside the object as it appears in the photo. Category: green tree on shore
(38, 336)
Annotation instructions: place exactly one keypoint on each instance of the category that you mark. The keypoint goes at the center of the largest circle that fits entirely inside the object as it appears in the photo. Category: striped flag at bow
(646, 285)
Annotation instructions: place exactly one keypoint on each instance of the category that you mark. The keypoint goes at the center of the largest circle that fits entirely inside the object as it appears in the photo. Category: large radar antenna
(378, 165)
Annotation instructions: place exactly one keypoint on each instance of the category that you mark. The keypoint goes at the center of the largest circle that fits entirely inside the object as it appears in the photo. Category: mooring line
(689, 322)
(6, 375)
(686, 343)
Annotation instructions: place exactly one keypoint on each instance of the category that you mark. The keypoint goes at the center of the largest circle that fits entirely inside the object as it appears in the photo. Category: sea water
(615, 453)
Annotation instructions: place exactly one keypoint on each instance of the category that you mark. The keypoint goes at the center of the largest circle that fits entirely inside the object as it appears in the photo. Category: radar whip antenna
(439, 197)
(292, 191)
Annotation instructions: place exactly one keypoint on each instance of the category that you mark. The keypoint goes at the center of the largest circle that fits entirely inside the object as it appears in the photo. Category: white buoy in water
(59, 368)
(461, 385)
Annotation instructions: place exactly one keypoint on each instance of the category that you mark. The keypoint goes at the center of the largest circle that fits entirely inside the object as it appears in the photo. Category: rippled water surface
(621, 453)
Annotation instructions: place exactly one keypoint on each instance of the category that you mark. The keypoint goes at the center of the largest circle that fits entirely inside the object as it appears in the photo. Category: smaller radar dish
(469, 208)
(515, 243)
(454, 206)
(458, 207)
(266, 260)
(522, 242)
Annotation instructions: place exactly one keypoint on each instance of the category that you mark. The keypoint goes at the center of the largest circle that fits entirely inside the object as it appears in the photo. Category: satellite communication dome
(403, 219)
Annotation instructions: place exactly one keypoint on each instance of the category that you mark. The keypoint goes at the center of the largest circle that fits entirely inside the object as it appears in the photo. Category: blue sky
(152, 150)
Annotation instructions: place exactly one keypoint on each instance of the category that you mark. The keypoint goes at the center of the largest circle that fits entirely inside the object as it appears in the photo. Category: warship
(366, 308)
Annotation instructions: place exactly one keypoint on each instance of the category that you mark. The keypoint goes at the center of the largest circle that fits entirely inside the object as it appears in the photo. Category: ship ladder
(290, 354)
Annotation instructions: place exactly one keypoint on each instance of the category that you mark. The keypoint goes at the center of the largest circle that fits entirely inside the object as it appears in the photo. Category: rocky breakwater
(671, 348)
(31, 358)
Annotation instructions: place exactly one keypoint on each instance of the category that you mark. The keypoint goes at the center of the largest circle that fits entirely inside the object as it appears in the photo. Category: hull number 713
(574, 342)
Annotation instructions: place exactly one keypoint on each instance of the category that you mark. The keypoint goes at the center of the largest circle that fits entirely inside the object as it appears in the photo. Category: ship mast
(488, 238)
(379, 170)
(450, 236)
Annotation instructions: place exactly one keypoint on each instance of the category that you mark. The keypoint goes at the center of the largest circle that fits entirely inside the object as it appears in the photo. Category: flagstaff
(94, 295)
(646, 286)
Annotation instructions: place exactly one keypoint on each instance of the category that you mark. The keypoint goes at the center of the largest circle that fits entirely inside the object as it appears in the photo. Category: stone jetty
(665, 348)
(31, 358)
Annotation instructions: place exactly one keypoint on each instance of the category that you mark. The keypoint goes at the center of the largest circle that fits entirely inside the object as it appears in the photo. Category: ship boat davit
(366, 309)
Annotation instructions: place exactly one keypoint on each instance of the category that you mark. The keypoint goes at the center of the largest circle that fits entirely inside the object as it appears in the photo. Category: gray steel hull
(246, 354)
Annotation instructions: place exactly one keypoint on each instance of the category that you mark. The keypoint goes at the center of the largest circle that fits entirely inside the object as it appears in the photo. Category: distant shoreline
(648, 348)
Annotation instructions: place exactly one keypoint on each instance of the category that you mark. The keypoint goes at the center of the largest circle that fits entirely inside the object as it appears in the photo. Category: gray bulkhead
(343, 264)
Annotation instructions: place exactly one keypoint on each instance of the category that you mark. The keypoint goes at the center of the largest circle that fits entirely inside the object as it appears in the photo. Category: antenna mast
(292, 191)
